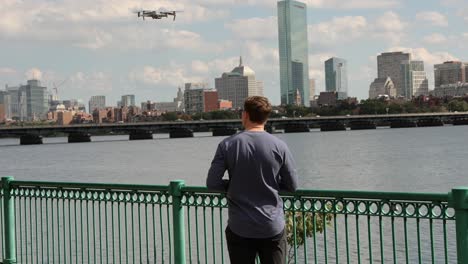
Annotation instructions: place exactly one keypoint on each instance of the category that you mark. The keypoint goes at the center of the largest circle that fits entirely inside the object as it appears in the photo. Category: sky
(100, 47)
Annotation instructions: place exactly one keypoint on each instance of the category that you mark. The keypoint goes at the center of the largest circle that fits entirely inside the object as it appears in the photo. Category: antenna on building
(240, 61)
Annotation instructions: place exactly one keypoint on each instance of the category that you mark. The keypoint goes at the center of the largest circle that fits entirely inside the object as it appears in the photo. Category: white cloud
(7, 71)
(254, 28)
(435, 38)
(173, 75)
(335, 4)
(338, 30)
(434, 18)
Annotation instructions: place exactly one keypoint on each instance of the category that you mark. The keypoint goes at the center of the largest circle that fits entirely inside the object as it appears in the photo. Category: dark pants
(244, 250)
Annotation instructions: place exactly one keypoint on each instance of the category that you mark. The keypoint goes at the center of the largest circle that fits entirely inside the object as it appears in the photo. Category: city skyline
(120, 55)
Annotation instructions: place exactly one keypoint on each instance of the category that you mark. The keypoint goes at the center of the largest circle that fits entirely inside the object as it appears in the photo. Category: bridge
(178, 129)
(62, 222)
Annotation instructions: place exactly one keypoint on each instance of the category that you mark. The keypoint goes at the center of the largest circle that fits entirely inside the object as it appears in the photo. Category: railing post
(9, 222)
(460, 204)
(178, 226)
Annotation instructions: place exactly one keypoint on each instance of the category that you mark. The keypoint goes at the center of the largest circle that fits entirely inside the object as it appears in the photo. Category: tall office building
(389, 65)
(238, 84)
(450, 72)
(414, 79)
(4, 105)
(97, 102)
(293, 51)
(312, 88)
(127, 100)
(37, 101)
(17, 103)
(336, 77)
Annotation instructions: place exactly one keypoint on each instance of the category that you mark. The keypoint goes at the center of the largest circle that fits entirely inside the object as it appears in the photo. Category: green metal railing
(50, 222)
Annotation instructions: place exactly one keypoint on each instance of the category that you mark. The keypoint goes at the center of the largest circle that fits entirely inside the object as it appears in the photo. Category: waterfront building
(224, 104)
(17, 103)
(382, 87)
(327, 99)
(127, 100)
(199, 98)
(414, 80)
(97, 102)
(237, 85)
(451, 90)
(389, 65)
(450, 72)
(37, 101)
(293, 51)
(336, 77)
(4, 106)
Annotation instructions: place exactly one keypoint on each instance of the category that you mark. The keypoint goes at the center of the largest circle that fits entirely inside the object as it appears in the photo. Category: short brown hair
(258, 108)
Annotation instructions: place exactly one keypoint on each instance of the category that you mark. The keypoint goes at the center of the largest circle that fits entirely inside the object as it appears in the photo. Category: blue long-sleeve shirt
(259, 166)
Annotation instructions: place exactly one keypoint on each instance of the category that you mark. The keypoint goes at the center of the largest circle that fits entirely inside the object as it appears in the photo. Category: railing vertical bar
(369, 236)
(58, 231)
(126, 232)
(106, 229)
(139, 231)
(196, 233)
(294, 230)
(133, 231)
(147, 231)
(162, 233)
(405, 227)
(382, 259)
(16, 226)
(431, 226)
(358, 239)
(31, 249)
(315, 236)
(26, 230)
(100, 230)
(169, 231)
(221, 231)
(346, 235)
(213, 234)
(325, 242)
(8, 211)
(76, 229)
(70, 237)
(35, 224)
(394, 240)
(42, 229)
(119, 230)
(189, 230)
(335, 230)
(2, 226)
(419, 240)
(204, 234)
(445, 240)
(304, 233)
(81, 227)
(154, 232)
(20, 230)
(64, 232)
(93, 205)
(87, 231)
(113, 230)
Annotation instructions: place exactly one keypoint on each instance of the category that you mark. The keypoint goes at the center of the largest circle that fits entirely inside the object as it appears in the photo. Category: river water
(413, 159)
(403, 160)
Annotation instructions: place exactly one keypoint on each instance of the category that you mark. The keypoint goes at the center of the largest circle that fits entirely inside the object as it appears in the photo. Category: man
(259, 166)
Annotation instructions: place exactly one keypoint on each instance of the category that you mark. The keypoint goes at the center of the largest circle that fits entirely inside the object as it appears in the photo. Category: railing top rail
(401, 196)
(94, 186)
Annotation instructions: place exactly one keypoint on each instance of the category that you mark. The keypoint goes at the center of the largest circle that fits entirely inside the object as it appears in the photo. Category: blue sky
(101, 47)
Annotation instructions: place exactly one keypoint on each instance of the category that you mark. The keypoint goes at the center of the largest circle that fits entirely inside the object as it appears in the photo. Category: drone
(157, 14)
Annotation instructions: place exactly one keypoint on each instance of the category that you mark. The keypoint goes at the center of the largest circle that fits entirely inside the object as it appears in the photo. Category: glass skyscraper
(336, 77)
(293, 52)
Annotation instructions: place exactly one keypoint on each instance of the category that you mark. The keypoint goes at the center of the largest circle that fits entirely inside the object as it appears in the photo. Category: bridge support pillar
(141, 135)
(296, 128)
(332, 126)
(79, 137)
(430, 122)
(30, 139)
(224, 131)
(460, 122)
(362, 124)
(402, 123)
(180, 133)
